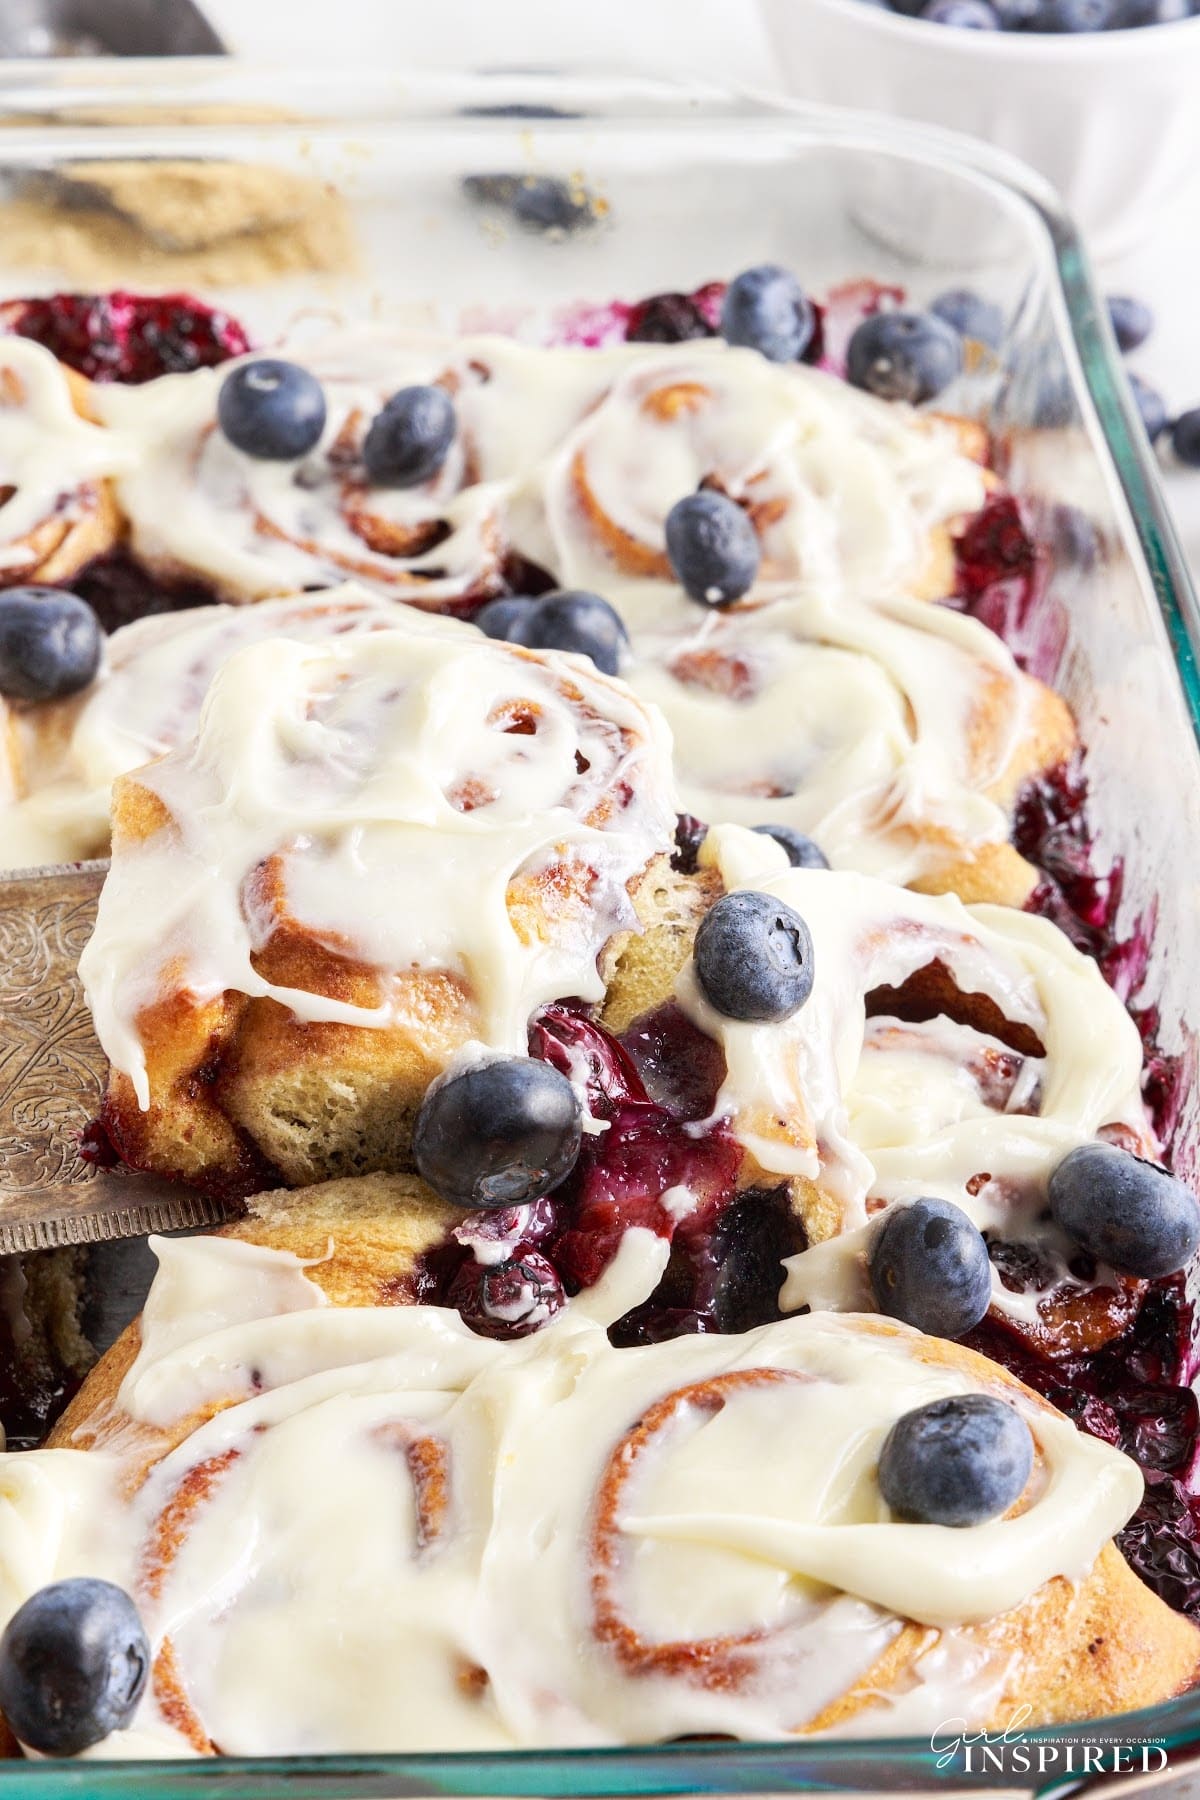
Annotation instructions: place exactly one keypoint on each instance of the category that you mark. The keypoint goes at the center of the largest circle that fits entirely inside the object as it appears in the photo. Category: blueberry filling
(726, 1245)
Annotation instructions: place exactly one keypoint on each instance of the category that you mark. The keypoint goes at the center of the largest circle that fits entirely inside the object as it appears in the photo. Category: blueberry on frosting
(73, 1665)
(929, 1267)
(958, 1461)
(766, 309)
(754, 958)
(801, 851)
(409, 439)
(505, 1131)
(1128, 1213)
(571, 620)
(904, 356)
(713, 548)
(50, 644)
(271, 409)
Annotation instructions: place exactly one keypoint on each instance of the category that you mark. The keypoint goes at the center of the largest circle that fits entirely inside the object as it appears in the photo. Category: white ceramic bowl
(1111, 118)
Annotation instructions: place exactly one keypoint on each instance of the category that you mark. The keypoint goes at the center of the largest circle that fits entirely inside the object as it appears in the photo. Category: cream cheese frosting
(571, 458)
(879, 729)
(385, 790)
(397, 1535)
(877, 1109)
(50, 457)
(145, 700)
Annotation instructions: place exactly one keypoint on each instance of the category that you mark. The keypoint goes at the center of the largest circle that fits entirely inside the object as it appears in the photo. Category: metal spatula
(52, 1075)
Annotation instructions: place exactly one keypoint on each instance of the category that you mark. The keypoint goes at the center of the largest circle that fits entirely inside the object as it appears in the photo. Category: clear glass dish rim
(414, 103)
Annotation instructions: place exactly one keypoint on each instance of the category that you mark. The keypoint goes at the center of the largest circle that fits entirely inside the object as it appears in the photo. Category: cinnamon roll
(554, 1542)
(566, 459)
(57, 467)
(945, 1051)
(895, 734)
(64, 755)
(379, 850)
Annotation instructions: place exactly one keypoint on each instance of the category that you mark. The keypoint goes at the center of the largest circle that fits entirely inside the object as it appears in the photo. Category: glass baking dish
(686, 185)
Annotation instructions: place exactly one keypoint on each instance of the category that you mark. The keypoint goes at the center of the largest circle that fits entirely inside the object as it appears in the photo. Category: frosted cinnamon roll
(568, 459)
(253, 526)
(64, 755)
(554, 1542)
(57, 466)
(378, 851)
(896, 734)
(942, 1052)
(847, 495)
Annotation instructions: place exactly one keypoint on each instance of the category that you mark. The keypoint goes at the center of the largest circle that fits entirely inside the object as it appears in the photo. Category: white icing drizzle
(322, 1598)
(570, 457)
(145, 700)
(881, 1110)
(385, 790)
(877, 729)
(49, 455)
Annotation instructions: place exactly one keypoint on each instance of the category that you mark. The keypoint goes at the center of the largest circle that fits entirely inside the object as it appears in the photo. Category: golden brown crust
(1103, 1645)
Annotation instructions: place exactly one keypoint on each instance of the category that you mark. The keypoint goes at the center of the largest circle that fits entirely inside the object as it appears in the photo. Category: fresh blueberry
(1185, 438)
(505, 619)
(904, 356)
(929, 1266)
(73, 1665)
(498, 1134)
(754, 958)
(1128, 1213)
(271, 409)
(1014, 15)
(568, 619)
(766, 309)
(507, 1299)
(713, 547)
(958, 1461)
(971, 316)
(964, 15)
(50, 644)
(408, 441)
(1151, 407)
(1071, 15)
(1132, 321)
(1129, 15)
(802, 853)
